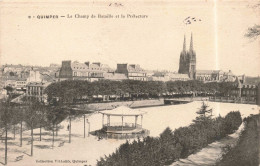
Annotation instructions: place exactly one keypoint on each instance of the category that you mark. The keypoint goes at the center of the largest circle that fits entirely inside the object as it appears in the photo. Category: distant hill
(252, 80)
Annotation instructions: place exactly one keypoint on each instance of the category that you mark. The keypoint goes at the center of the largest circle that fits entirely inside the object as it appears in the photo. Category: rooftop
(76, 66)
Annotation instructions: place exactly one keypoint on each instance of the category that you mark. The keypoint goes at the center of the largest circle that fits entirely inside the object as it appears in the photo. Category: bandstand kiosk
(123, 129)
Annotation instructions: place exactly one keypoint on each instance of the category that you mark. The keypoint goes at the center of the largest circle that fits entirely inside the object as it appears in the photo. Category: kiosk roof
(122, 111)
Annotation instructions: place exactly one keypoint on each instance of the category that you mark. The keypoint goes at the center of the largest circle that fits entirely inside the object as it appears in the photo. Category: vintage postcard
(129, 83)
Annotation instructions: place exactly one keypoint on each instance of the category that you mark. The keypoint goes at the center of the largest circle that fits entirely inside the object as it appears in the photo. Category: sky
(154, 42)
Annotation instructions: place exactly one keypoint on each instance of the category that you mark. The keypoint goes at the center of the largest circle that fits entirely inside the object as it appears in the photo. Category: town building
(36, 89)
(132, 71)
(16, 83)
(82, 71)
(34, 76)
(12, 68)
(179, 77)
(36, 84)
(115, 76)
(215, 76)
(11, 82)
(15, 70)
(168, 76)
(243, 90)
(20, 84)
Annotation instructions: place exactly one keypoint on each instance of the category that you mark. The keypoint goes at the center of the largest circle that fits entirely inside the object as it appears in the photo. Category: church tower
(192, 62)
(183, 57)
(184, 44)
(187, 64)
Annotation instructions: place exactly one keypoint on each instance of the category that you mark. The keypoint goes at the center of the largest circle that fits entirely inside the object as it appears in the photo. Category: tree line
(173, 145)
(32, 115)
(69, 90)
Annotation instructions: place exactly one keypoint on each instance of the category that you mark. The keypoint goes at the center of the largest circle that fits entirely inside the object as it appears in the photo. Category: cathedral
(188, 60)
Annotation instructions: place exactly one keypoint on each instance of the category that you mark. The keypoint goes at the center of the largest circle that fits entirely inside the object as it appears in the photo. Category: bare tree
(254, 31)
(6, 119)
(42, 112)
(32, 117)
(54, 115)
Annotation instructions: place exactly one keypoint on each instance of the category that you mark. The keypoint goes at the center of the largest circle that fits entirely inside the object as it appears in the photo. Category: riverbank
(112, 105)
(231, 100)
(92, 107)
(137, 103)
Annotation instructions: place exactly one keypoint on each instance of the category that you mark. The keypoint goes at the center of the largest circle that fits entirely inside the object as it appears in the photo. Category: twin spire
(191, 43)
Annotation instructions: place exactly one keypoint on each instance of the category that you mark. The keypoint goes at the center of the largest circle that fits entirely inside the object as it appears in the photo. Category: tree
(16, 117)
(20, 115)
(204, 113)
(254, 31)
(32, 116)
(6, 114)
(42, 118)
(9, 89)
(54, 116)
(11, 73)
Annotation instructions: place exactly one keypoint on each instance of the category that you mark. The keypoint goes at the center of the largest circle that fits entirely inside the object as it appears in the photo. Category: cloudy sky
(154, 42)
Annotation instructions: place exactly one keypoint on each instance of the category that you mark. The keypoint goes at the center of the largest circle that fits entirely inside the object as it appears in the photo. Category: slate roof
(84, 67)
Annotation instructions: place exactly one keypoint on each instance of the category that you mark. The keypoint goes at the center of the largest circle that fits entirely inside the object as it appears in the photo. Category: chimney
(87, 63)
(133, 65)
(97, 63)
(66, 63)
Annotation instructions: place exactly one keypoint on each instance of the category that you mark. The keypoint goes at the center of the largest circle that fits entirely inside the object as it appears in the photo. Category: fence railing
(244, 100)
(104, 135)
(120, 126)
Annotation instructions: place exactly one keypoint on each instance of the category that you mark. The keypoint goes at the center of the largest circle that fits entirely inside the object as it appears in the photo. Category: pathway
(210, 154)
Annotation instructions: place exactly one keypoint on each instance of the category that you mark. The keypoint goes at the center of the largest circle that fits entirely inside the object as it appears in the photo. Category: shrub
(232, 122)
(246, 151)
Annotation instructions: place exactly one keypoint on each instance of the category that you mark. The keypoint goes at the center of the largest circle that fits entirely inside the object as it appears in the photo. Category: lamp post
(84, 126)
(69, 129)
(88, 127)
(258, 98)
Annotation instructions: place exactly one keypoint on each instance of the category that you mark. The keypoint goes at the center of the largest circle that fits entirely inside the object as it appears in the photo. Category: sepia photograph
(130, 83)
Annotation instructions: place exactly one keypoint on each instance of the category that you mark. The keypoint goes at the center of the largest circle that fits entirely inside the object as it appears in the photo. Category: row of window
(138, 78)
(35, 91)
(137, 74)
(87, 74)
(20, 82)
(208, 78)
(245, 92)
(87, 68)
